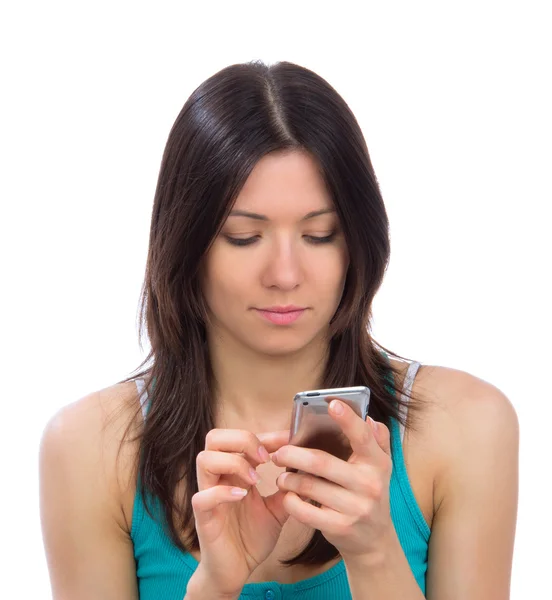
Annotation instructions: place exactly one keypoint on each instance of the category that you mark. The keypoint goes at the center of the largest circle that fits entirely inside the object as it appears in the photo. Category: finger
(211, 465)
(316, 462)
(382, 435)
(239, 441)
(273, 440)
(207, 500)
(320, 490)
(358, 432)
(323, 518)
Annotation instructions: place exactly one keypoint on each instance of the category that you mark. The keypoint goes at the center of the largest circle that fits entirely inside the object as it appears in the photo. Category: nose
(283, 268)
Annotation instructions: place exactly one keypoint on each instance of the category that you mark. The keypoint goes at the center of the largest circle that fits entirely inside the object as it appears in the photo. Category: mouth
(281, 315)
(282, 309)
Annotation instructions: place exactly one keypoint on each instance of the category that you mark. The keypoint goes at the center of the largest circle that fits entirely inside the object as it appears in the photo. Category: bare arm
(88, 548)
(386, 577)
(472, 540)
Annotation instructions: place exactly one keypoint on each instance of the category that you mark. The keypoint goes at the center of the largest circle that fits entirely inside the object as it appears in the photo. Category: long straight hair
(233, 119)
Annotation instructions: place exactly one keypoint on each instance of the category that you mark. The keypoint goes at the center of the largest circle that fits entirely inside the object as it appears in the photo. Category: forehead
(284, 182)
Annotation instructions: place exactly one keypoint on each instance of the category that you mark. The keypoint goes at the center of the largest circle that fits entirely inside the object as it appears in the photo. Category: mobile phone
(312, 426)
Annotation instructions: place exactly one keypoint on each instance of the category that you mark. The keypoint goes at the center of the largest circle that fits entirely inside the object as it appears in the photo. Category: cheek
(224, 280)
(331, 271)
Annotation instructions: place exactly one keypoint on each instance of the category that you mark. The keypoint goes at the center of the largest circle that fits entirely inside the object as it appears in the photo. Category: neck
(255, 391)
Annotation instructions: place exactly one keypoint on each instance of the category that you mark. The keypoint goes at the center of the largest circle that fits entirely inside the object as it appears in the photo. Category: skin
(282, 266)
(462, 457)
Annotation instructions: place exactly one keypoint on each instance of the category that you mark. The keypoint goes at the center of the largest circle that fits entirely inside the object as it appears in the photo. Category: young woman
(269, 240)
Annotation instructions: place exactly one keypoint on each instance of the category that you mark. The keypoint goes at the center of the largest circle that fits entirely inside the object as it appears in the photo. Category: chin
(279, 346)
(278, 351)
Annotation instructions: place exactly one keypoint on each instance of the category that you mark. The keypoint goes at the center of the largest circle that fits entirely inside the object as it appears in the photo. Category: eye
(313, 239)
(241, 241)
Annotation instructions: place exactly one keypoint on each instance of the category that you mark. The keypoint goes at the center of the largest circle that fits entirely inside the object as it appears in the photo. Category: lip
(281, 315)
(282, 309)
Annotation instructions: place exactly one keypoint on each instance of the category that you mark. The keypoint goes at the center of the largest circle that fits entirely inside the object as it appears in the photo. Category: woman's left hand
(354, 514)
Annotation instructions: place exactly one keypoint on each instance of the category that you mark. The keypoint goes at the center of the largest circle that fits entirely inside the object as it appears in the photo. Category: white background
(454, 100)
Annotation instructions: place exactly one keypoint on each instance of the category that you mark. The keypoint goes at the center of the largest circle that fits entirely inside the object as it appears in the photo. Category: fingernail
(263, 453)
(254, 475)
(336, 407)
(374, 424)
(282, 478)
(238, 492)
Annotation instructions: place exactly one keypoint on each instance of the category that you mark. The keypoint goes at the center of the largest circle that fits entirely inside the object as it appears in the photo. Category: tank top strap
(406, 390)
(143, 393)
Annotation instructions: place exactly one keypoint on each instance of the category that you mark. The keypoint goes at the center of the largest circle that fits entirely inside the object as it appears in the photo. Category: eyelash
(248, 241)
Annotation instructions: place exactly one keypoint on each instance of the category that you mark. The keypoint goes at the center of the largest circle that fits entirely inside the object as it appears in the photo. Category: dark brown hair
(228, 124)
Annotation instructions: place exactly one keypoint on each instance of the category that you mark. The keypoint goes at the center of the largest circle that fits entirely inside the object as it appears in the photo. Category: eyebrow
(258, 217)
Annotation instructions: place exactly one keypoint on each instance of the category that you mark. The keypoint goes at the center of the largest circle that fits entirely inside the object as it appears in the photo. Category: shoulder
(83, 442)
(82, 478)
(465, 445)
(465, 404)
(466, 421)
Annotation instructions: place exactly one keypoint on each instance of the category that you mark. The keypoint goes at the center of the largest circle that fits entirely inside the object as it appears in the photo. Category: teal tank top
(163, 570)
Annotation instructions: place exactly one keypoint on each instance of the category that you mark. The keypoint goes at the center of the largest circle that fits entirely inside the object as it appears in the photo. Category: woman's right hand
(236, 532)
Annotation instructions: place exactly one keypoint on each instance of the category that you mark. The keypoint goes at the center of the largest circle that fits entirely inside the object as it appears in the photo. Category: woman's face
(274, 276)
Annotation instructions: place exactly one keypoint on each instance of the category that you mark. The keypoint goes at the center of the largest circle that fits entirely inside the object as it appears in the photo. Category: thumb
(382, 435)
(275, 504)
